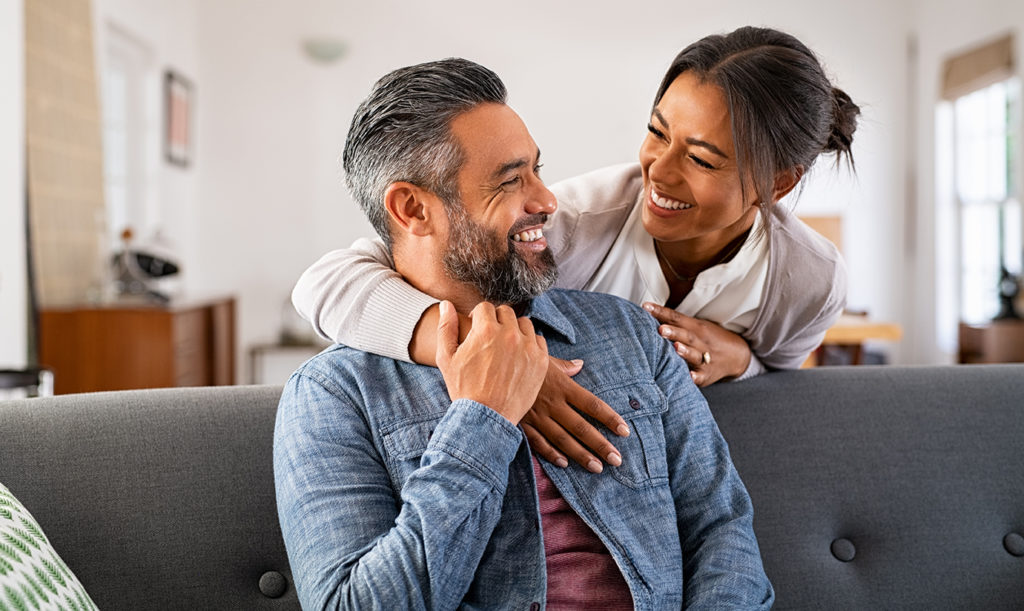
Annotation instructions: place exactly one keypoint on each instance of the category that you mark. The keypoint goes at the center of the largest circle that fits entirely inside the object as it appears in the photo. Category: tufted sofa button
(273, 584)
(843, 550)
(1014, 543)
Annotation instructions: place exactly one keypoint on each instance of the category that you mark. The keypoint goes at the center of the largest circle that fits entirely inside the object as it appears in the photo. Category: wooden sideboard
(124, 346)
(999, 341)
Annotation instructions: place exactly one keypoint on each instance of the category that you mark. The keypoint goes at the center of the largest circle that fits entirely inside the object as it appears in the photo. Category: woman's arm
(355, 297)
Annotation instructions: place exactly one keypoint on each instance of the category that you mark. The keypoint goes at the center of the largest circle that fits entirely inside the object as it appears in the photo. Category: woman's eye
(702, 163)
(657, 132)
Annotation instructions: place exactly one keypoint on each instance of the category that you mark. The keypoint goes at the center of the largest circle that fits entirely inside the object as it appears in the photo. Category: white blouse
(728, 293)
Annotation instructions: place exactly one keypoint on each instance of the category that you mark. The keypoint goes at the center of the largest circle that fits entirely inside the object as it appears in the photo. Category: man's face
(495, 238)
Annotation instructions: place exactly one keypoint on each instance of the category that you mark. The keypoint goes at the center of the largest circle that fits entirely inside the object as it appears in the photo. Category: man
(403, 487)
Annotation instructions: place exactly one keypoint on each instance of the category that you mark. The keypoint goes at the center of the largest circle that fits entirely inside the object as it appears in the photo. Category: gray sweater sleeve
(355, 297)
(804, 295)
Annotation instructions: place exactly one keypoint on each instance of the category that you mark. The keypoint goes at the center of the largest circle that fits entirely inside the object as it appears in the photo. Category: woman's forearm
(355, 297)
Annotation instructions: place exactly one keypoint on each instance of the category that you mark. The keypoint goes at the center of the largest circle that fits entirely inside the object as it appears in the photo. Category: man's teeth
(668, 204)
(528, 236)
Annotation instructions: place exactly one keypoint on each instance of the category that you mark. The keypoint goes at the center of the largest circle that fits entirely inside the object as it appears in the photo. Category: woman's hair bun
(844, 123)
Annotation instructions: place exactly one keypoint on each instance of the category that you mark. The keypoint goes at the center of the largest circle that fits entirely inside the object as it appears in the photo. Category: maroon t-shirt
(581, 572)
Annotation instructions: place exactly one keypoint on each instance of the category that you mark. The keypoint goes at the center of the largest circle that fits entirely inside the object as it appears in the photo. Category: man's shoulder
(341, 368)
(600, 309)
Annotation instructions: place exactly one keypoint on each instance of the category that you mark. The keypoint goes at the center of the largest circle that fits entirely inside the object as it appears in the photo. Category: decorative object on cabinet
(1009, 289)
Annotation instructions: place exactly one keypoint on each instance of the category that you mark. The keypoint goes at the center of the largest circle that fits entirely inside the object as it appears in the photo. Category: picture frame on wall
(178, 109)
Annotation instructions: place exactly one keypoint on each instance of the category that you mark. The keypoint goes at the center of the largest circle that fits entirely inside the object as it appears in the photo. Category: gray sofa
(873, 487)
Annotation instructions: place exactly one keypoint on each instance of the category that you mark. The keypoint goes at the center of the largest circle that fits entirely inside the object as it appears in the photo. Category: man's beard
(491, 264)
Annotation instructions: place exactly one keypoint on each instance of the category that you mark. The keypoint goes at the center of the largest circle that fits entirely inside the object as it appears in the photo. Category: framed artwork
(178, 109)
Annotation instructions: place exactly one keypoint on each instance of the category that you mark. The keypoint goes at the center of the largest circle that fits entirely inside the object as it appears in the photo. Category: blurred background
(212, 130)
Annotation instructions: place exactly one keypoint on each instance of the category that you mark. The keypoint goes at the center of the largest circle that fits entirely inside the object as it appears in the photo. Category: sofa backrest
(156, 499)
(884, 487)
(873, 488)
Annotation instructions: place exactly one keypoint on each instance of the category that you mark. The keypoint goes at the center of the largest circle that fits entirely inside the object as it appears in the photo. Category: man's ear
(412, 209)
(786, 180)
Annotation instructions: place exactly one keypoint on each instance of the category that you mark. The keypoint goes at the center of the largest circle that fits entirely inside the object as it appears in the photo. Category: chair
(21, 383)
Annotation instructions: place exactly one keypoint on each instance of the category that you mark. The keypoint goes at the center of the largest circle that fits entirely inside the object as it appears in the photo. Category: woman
(693, 232)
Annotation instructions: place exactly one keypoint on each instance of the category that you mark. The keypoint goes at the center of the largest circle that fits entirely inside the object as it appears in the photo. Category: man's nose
(541, 200)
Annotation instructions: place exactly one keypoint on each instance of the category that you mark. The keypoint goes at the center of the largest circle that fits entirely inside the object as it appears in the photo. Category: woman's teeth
(668, 204)
(528, 236)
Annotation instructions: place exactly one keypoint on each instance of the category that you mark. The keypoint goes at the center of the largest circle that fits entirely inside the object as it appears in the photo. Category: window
(987, 194)
(130, 134)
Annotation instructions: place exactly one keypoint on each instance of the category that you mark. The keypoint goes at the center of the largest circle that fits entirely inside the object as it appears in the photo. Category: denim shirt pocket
(641, 405)
(405, 441)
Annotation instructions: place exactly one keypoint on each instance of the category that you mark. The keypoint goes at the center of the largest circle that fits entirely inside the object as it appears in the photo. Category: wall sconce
(324, 50)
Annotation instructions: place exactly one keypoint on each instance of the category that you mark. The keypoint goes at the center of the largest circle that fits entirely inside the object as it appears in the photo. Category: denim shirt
(392, 496)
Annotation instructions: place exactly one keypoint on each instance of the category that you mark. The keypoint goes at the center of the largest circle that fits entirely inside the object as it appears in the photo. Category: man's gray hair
(401, 132)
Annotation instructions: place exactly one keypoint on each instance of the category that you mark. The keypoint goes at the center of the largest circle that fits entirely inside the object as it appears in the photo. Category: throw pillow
(32, 575)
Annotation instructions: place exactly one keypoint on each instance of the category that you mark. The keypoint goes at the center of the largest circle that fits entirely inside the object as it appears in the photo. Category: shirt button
(634, 404)
(535, 607)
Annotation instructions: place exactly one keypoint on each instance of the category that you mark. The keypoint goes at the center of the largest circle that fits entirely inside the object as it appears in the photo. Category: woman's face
(691, 182)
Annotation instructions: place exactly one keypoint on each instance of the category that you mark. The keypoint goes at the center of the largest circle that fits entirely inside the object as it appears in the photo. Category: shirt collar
(544, 311)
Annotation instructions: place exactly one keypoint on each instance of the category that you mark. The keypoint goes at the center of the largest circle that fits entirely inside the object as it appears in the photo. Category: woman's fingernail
(664, 331)
(649, 307)
(594, 466)
(561, 462)
(680, 349)
(693, 374)
(614, 459)
(622, 430)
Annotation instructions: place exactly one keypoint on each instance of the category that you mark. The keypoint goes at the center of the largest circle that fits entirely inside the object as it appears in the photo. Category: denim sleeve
(353, 540)
(722, 565)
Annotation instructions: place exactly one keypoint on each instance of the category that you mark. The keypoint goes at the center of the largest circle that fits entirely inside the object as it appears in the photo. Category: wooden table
(851, 331)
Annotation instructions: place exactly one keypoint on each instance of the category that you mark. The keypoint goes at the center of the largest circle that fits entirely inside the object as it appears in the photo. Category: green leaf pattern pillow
(32, 575)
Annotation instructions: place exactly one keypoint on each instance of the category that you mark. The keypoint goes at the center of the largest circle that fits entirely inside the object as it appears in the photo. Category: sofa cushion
(32, 575)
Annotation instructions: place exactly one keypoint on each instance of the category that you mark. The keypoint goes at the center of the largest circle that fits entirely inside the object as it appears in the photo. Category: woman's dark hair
(784, 110)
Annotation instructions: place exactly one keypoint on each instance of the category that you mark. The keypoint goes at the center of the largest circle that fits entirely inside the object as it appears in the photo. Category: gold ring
(705, 358)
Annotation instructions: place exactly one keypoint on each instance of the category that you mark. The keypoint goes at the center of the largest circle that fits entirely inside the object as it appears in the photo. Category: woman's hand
(711, 352)
(553, 423)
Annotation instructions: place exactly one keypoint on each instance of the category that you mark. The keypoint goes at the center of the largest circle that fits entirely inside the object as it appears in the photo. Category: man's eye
(536, 168)
(512, 182)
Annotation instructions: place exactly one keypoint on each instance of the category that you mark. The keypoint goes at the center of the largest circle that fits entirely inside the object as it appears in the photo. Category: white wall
(943, 28)
(582, 74)
(169, 31)
(13, 279)
(264, 196)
